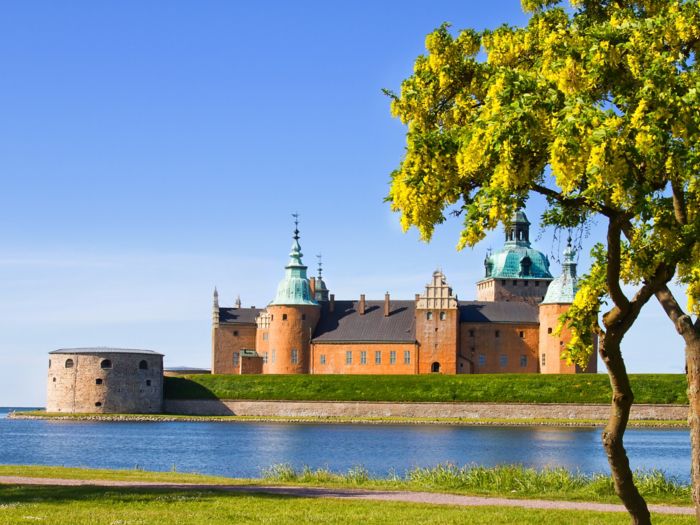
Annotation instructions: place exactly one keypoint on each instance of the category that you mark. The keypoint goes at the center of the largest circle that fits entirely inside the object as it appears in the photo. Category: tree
(596, 107)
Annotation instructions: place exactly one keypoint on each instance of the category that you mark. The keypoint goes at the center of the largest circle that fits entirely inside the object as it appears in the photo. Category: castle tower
(560, 295)
(437, 327)
(290, 319)
(320, 288)
(517, 272)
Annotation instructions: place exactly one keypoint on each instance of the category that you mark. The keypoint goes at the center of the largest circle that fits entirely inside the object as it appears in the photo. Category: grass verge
(511, 481)
(505, 388)
(92, 505)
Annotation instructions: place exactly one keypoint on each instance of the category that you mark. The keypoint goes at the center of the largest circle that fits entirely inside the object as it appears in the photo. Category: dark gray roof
(238, 315)
(103, 350)
(497, 312)
(346, 324)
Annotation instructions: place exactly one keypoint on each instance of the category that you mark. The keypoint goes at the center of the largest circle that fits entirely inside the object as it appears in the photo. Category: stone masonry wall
(427, 410)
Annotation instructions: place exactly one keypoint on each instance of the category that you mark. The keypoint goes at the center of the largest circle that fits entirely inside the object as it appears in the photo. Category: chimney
(331, 304)
(387, 309)
(417, 297)
(215, 309)
(361, 307)
(312, 287)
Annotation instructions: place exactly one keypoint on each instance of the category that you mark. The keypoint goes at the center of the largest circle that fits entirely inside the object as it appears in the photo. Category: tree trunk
(622, 398)
(692, 363)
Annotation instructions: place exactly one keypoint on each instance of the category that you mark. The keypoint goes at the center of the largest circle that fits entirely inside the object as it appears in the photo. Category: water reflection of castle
(306, 330)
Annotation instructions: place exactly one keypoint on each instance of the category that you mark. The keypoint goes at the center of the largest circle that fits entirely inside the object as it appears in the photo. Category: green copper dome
(517, 259)
(563, 288)
(294, 288)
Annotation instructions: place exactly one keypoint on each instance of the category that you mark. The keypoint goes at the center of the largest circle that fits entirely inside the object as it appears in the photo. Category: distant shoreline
(673, 424)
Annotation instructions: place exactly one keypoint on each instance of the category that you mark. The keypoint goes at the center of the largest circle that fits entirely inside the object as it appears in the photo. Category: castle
(509, 329)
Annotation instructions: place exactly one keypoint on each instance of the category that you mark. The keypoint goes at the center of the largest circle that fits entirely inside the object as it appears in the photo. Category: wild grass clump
(504, 480)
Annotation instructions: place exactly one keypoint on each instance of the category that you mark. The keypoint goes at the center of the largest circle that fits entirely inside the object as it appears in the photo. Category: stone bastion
(105, 380)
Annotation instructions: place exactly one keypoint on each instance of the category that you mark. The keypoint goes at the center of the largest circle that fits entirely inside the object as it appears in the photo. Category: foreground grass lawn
(511, 388)
(88, 505)
(509, 481)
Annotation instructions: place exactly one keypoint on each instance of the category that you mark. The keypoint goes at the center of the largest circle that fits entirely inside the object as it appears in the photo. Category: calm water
(244, 449)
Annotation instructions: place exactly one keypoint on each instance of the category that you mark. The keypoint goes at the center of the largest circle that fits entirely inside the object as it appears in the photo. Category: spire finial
(238, 301)
(296, 226)
(320, 265)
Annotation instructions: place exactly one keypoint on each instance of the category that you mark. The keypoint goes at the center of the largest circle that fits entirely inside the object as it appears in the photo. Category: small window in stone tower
(544, 359)
(549, 330)
(69, 363)
(295, 357)
(106, 363)
(235, 333)
(443, 316)
(143, 365)
(98, 381)
(49, 363)
(498, 333)
(521, 334)
(98, 404)
(284, 317)
(471, 333)
(236, 358)
(303, 317)
(429, 315)
(148, 382)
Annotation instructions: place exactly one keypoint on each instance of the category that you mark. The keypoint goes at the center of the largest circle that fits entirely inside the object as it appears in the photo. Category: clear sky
(152, 150)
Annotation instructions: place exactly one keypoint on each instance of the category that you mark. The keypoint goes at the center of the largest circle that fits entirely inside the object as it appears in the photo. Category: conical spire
(321, 288)
(294, 288)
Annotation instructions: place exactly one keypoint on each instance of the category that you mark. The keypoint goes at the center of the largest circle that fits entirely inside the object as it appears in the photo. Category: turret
(215, 309)
(320, 288)
(292, 317)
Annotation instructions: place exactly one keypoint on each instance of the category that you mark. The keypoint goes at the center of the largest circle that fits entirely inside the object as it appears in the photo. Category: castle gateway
(306, 330)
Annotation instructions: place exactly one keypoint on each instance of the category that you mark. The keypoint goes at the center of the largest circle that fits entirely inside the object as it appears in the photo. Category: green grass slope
(511, 388)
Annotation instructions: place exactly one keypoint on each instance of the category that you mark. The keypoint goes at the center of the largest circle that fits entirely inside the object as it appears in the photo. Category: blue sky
(152, 150)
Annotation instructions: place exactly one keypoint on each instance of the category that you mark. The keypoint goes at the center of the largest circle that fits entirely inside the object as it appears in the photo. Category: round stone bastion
(105, 381)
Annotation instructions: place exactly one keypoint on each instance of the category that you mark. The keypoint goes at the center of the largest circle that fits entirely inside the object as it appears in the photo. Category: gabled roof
(238, 315)
(497, 312)
(346, 324)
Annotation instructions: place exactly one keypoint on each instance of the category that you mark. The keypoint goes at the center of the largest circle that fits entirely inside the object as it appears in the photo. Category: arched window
(443, 316)
(435, 368)
(525, 265)
(106, 363)
(429, 315)
(69, 363)
(98, 404)
(143, 365)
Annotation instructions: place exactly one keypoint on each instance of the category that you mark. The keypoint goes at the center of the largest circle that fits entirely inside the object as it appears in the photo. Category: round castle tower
(290, 319)
(560, 295)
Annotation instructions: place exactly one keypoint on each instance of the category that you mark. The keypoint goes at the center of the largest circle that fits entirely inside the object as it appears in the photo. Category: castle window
(143, 365)
(303, 317)
(521, 334)
(378, 357)
(443, 316)
(363, 358)
(98, 381)
(284, 317)
(392, 358)
(235, 333)
(515, 283)
(503, 360)
(498, 333)
(435, 368)
(236, 358)
(523, 360)
(525, 266)
(106, 363)
(549, 330)
(265, 357)
(407, 357)
(98, 404)
(544, 359)
(69, 363)
(265, 336)
(348, 357)
(54, 379)
(471, 333)
(49, 363)
(323, 359)
(148, 382)
(429, 315)
(482, 360)
(274, 355)
(295, 357)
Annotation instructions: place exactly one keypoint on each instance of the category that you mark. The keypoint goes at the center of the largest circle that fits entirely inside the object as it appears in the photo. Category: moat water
(245, 449)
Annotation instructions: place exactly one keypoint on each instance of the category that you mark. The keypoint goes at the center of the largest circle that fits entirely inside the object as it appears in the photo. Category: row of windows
(377, 357)
(503, 360)
(515, 283)
(429, 316)
(104, 364)
(497, 333)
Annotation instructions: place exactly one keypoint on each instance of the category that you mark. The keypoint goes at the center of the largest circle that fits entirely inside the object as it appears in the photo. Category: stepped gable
(515, 312)
(345, 323)
(238, 315)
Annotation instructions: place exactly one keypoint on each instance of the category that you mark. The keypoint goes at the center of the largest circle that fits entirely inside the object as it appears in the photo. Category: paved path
(378, 495)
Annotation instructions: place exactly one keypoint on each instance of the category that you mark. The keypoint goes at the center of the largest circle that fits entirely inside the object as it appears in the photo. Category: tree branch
(613, 268)
(679, 203)
(680, 319)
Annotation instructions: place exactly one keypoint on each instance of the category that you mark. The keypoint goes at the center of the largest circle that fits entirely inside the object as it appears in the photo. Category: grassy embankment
(506, 388)
(509, 481)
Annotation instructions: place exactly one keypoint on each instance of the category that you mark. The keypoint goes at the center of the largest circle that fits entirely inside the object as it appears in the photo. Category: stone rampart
(212, 407)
